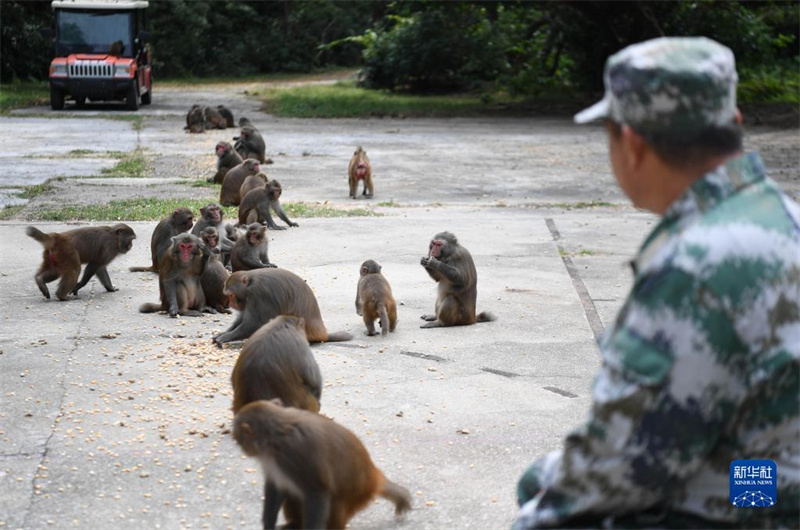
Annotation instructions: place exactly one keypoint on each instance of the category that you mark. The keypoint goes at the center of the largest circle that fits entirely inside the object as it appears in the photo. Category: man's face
(619, 154)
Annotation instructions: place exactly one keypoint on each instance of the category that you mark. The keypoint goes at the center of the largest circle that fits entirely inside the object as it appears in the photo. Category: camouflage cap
(668, 84)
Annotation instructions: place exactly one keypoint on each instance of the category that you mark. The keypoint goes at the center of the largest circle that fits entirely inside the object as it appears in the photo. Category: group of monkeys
(316, 470)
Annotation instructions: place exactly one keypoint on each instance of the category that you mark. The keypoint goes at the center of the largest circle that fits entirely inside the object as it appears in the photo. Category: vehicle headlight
(58, 69)
(122, 70)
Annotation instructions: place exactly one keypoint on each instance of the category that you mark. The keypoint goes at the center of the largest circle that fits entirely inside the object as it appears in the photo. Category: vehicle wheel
(148, 97)
(56, 98)
(132, 97)
(80, 102)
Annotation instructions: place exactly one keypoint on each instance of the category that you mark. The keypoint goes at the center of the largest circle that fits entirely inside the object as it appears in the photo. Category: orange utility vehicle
(101, 53)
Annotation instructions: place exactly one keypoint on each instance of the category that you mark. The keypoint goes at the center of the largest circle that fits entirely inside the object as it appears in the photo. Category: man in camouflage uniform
(702, 366)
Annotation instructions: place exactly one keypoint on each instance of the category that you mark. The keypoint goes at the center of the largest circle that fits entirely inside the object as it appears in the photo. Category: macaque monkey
(320, 466)
(451, 266)
(232, 184)
(250, 251)
(276, 362)
(260, 295)
(374, 299)
(96, 246)
(214, 276)
(195, 121)
(253, 182)
(227, 114)
(360, 169)
(179, 274)
(179, 221)
(211, 215)
(213, 119)
(227, 159)
(255, 206)
(250, 144)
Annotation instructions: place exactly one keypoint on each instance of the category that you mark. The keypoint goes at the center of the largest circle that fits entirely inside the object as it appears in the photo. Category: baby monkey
(374, 299)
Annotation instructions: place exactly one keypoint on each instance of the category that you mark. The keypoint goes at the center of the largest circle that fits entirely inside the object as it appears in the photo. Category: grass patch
(581, 205)
(10, 211)
(390, 204)
(195, 183)
(315, 209)
(324, 73)
(136, 120)
(30, 192)
(18, 95)
(345, 100)
(131, 165)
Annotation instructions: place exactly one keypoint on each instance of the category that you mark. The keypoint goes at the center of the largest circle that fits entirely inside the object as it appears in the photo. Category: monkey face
(257, 167)
(186, 251)
(222, 149)
(256, 234)
(214, 212)
(435, 248)
(211, 241)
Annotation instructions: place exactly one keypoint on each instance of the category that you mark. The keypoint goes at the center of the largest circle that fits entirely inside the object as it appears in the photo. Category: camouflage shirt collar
(703, 195)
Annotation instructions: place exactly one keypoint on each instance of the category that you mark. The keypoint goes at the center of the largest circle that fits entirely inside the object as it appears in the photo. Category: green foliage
(773, 83)
(26, 53)
(131, 165)
(343, 100)
(18, 95)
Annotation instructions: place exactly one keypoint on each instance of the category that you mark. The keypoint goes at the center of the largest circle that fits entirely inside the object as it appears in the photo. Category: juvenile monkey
(59, 260)
(374, 299)
(250, 251)
(227, 159)
(213, 119)
(179, 274)
(179, 221)
(232, 183)
(213, 278)
(262, 294)
(253, 182)
(96, 246)
(321, 466)
(227, 114)
(360, 169)
(451, 266)
(212, 215)
(255, 206)
(250, 144)
(276, 362)
(195, 121)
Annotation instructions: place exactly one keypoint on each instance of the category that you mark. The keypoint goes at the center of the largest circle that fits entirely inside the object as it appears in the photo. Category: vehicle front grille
(91, 69)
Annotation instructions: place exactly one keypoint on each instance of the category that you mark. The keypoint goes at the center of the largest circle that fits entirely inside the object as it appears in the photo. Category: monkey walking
(64, 253)
(451, 266)
(360, 169)
(374, 299)
(321, 466)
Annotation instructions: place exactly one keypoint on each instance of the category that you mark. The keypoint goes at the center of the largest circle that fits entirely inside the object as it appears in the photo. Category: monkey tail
(150, 308)
(142, 269)
(485, 317)
(38, 235)
(339, 336)
(396, 494)
(384, 316)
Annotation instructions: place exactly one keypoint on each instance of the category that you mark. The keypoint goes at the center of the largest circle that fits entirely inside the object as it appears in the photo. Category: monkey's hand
(429, 262)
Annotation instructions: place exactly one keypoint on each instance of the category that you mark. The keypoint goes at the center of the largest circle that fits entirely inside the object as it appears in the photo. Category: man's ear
(635, 148)
(738, 117)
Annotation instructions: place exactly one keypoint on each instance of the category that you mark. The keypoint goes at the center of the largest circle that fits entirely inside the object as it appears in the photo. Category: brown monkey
(374, 299)
(250, 250)
(213, 119)
(227, 114)
(256, 204)
(276, 362)
(97, 246)
(319, 465)
(212, 215)
(262, 294)
(360, 169)
(245, 122)
(195, 122)
(213, 278)
(451, 266)
(232, 183)
(227, 159)
(250, 144)
(60, 260)
(179, 278)
(253, 182)
(179, 221)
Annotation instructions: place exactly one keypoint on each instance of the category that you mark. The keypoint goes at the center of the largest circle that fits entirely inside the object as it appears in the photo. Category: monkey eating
(232, 183)
(179, 221)
(374, 299)
(276, 362)
(262, 294)
(451, 266)
(255, 206)
(320, 466)
(360, 169)
(179, 286)
(250, 251)
(96, 246)
(227, 159)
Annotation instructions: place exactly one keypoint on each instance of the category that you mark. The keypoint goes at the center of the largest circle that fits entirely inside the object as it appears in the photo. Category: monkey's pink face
(186, 251)
(257, 167)
(255, 237)
(211, 241)
(435, 248)
(215, 213)
(221, 149)
(361, 170)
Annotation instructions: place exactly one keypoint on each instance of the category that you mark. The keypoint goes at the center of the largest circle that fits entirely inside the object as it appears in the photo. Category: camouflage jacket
(701, 367)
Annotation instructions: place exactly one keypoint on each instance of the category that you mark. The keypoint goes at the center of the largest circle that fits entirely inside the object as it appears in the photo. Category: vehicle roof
(100, 4)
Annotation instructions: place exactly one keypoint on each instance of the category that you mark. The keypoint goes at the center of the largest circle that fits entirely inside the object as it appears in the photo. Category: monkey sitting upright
(360, 169)
(374, 299)
(313, 461)
(451, 266)
(214, 276)
(227, 159)
(250, 251)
